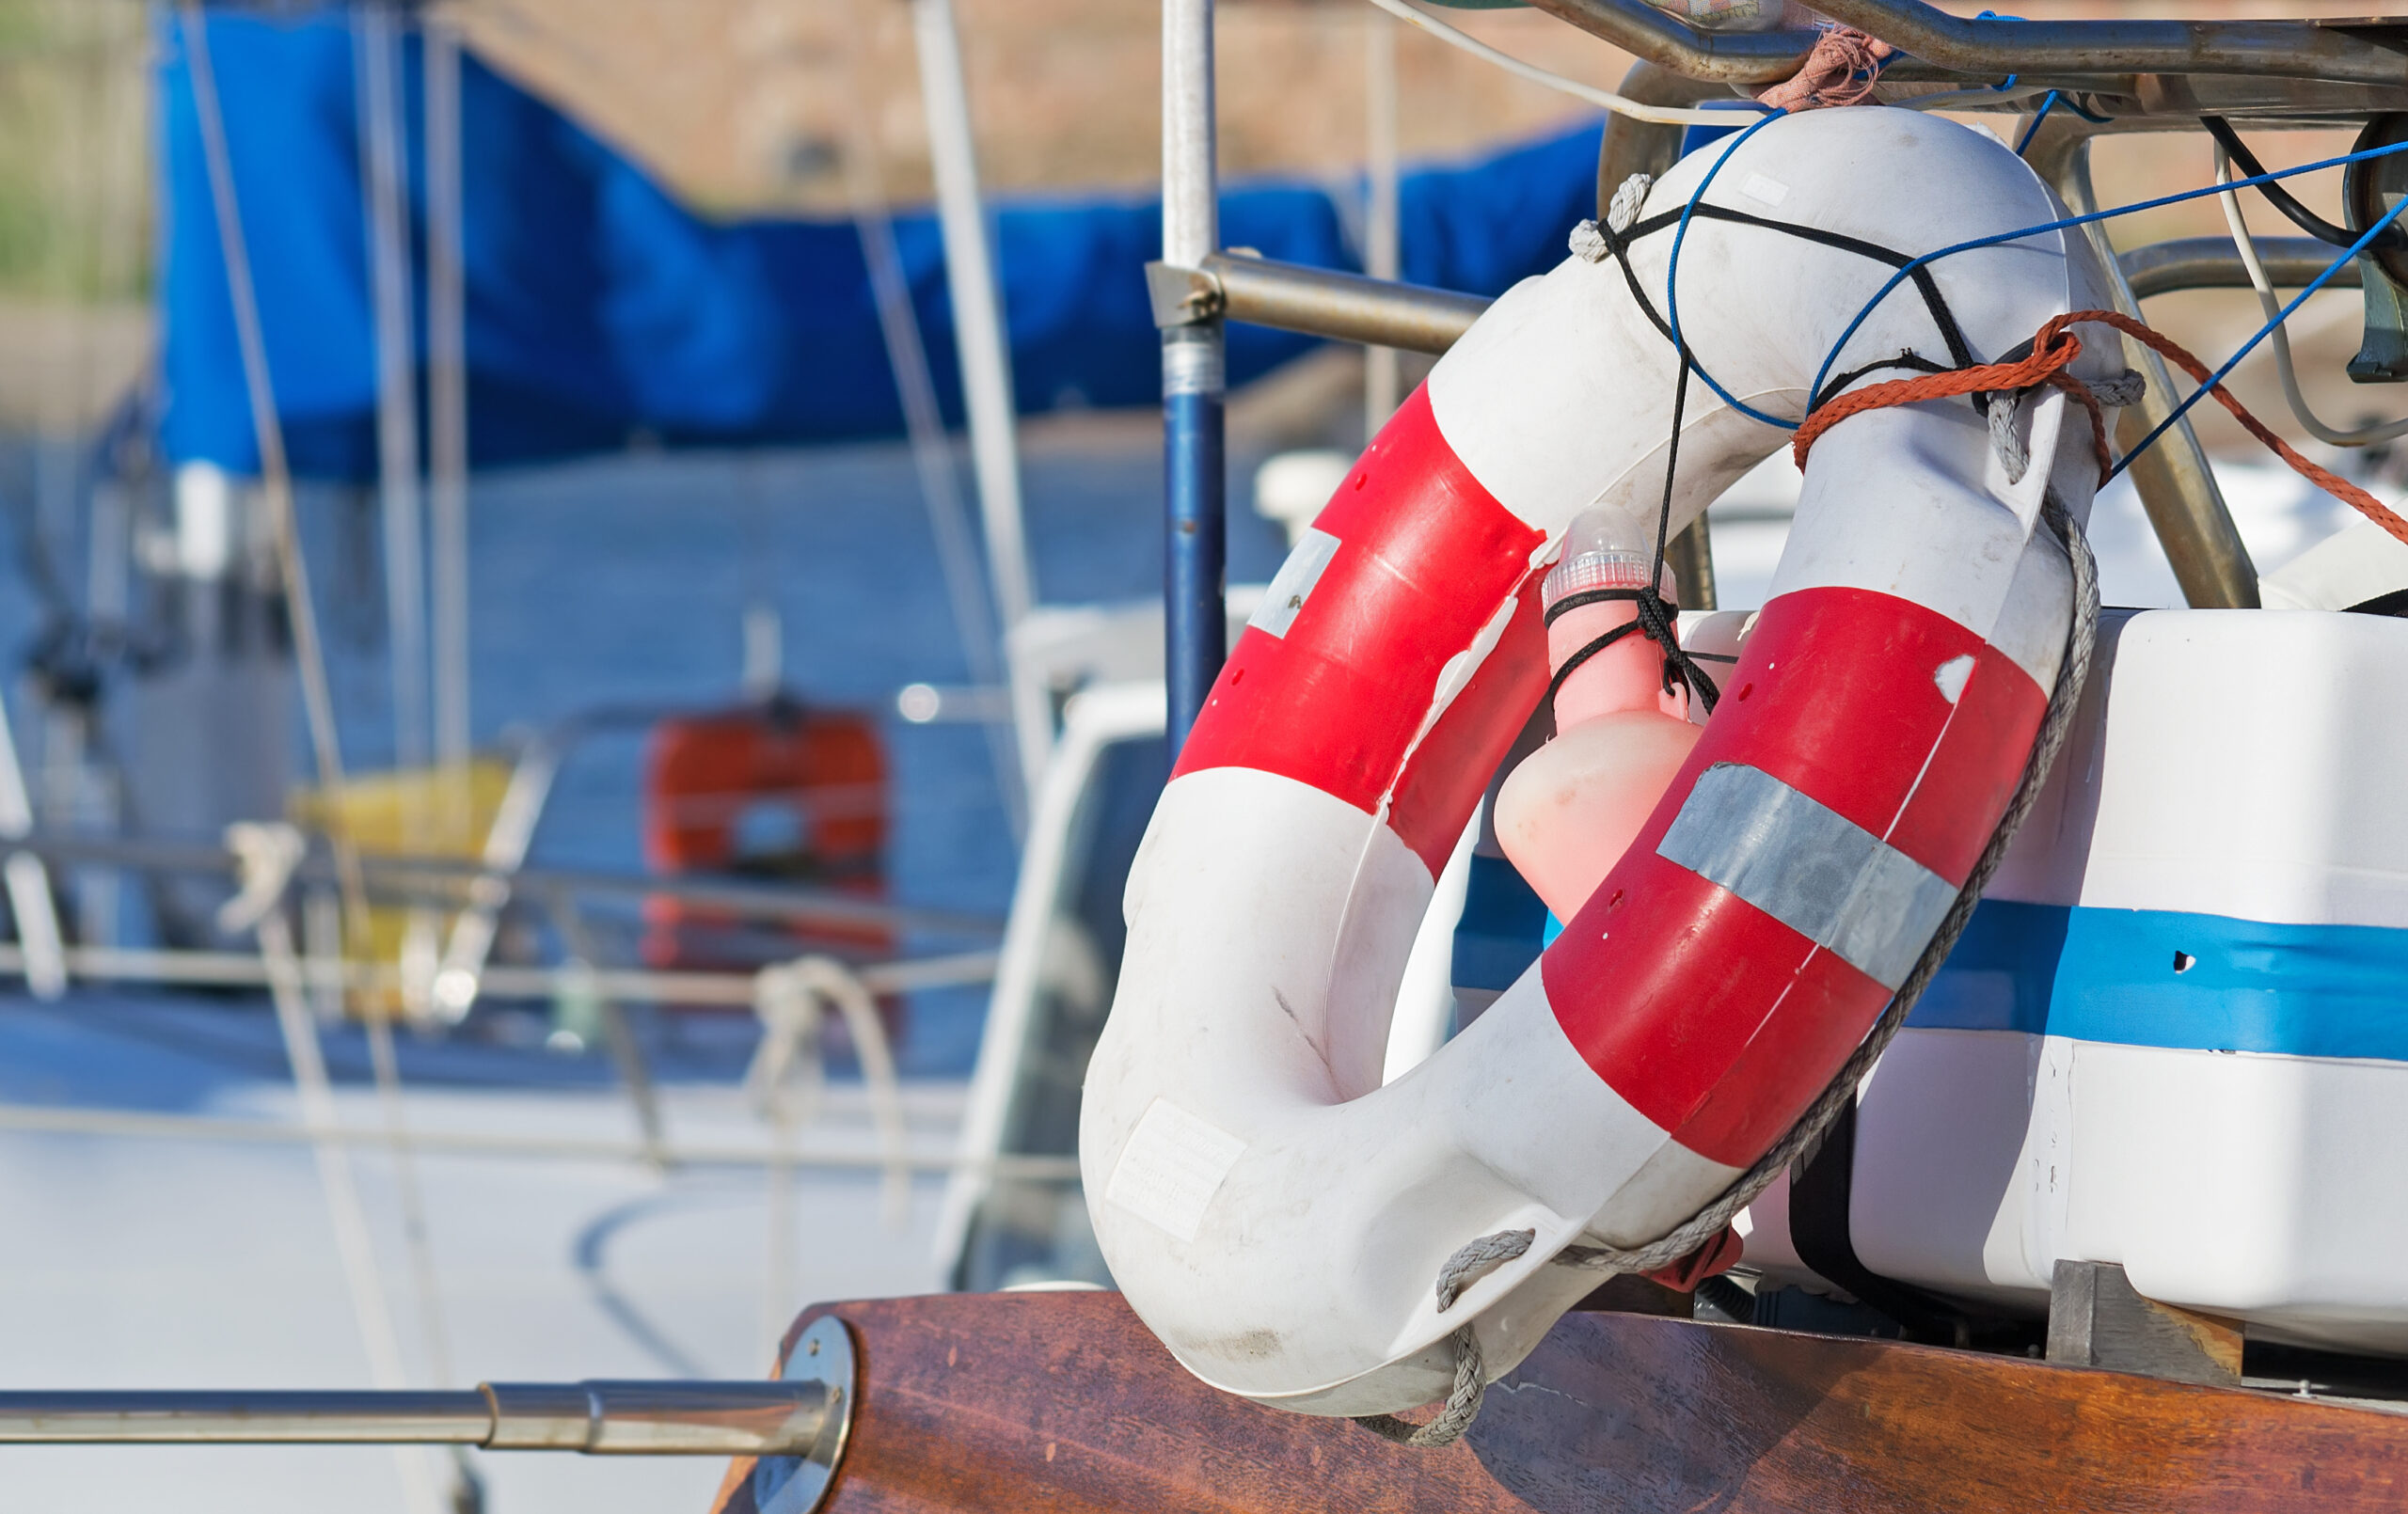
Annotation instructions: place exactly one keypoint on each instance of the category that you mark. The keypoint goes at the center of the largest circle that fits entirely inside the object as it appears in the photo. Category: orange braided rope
(2054, 348)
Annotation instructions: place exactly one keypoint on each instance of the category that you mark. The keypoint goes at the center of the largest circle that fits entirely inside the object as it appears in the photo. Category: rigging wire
(907, 354)
(2270, 308)
(1604, 98)
(308, 652)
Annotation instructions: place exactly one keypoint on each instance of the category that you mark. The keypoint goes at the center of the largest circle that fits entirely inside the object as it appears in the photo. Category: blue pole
(1196, 549)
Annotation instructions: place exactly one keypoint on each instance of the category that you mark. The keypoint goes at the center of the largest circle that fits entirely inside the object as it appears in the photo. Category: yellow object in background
(434, 812)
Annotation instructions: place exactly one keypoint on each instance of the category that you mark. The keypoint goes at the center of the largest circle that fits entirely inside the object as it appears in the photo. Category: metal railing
(598, 1418)
(2046, 51)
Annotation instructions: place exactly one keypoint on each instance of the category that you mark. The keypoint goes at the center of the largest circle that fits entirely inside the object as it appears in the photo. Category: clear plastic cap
(1602, 551)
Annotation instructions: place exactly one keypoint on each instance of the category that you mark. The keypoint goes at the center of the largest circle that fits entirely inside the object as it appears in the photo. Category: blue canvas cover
(599, 308)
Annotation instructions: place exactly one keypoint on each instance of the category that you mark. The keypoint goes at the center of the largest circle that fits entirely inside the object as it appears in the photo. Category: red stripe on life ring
(1998, 718)
(1836, 696)
(1447, 771)
(1424, 558)
(1715, 1020)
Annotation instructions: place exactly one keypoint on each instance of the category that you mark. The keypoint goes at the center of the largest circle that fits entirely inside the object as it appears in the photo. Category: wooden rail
(1062, 1403)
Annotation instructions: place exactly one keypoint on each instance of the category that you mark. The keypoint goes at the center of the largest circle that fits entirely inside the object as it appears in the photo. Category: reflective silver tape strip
(1812, 869)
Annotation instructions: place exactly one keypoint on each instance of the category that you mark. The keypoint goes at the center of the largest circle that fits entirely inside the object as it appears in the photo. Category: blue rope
(2037, 116)
(2001, 88)
(1672, 277)
(1908, 272)
(2264, 332)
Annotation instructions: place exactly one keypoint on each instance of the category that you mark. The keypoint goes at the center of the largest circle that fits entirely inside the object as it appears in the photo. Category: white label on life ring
(1171, 1167)
(1294, 583)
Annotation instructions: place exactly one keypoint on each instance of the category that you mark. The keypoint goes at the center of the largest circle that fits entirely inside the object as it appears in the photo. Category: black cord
(1657, 619)
(1959, 350)
(1572, 664)
(1661, 619)
(2282, 199)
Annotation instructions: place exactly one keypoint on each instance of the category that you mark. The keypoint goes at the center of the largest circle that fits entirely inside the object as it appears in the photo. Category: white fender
(1275, 1215)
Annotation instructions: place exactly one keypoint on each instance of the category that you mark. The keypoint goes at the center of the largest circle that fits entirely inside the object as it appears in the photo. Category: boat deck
(196, 1259)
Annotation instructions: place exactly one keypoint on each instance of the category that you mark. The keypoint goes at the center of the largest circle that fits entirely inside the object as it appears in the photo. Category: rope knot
(2053, 349)
(1629, 199)
(1655, 618)
(1841, 69)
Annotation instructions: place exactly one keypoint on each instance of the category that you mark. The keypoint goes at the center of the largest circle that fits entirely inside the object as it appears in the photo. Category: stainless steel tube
(2297, 49)
(1937, 40)
(597, 1418)
(2214, 262)
(662, 1418)
(2176, 486)
(241, 1417)
(1344, 307)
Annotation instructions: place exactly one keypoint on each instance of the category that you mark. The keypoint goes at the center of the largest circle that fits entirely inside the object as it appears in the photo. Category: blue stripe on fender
(2109, 975)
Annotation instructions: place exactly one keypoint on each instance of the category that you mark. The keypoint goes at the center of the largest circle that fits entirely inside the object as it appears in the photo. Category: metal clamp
(1182, 297)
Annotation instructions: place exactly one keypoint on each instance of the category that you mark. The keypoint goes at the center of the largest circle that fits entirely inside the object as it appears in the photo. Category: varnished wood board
(1062, 1403)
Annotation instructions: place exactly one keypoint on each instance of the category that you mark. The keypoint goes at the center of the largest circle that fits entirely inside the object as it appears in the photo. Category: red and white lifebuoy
(1274, 1214)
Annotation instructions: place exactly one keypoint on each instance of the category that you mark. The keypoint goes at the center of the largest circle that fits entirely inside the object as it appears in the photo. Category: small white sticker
(1294, 583)
(1171, 1167)
(1770, 191)
(1951, 676)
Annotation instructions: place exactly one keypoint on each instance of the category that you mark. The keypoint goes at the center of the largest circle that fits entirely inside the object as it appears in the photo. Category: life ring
(773, 791)
(1274, 1214)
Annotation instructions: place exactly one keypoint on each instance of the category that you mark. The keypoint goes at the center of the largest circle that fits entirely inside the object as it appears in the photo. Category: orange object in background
(771, 791)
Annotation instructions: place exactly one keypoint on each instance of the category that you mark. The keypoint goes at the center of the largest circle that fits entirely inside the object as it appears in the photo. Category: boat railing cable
(449, 881)
(1603, 99)
(519, 1146)
(707, 991)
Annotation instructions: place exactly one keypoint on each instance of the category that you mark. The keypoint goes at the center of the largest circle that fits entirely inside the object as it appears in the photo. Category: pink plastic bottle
(1568, 813)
